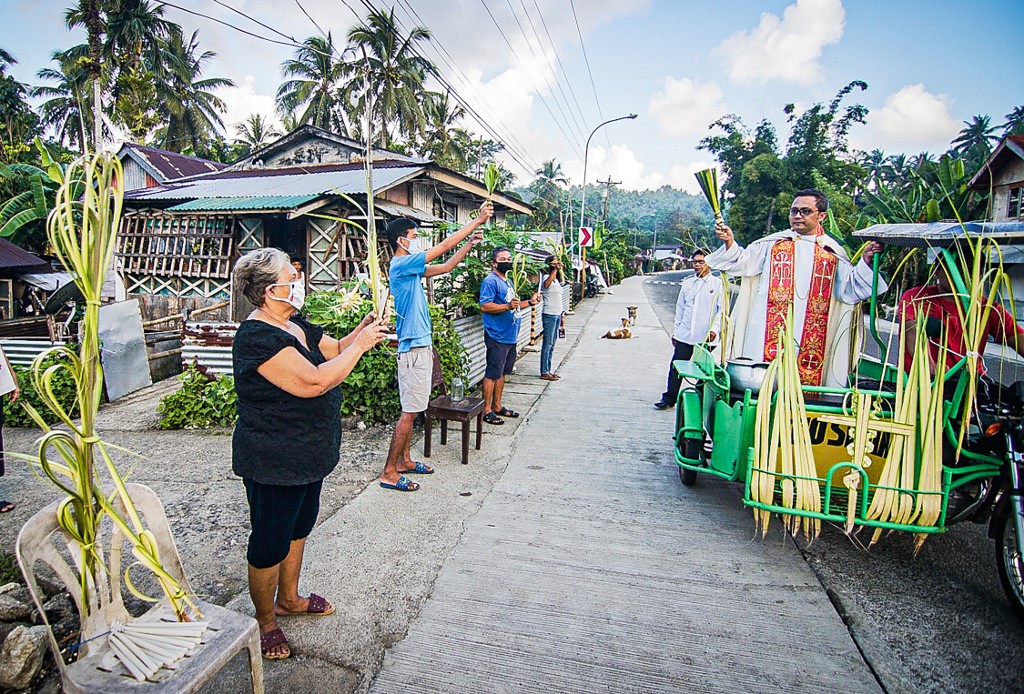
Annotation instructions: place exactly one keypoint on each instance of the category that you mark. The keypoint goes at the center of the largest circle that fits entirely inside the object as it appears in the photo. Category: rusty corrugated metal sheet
(12, 256)
(171, 165)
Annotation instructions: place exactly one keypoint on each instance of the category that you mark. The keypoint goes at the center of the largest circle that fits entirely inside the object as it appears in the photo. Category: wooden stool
(444, 409)
(463, 411)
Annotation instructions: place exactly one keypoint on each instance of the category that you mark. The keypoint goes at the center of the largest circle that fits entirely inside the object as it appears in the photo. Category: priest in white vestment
(805, 268)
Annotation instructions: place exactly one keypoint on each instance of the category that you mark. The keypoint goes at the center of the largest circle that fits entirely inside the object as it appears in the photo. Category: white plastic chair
(96, 669)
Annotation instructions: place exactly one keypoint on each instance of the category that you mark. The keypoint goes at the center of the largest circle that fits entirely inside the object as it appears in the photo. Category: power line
(518, 155)
(527, 72)
(558, 58)
(289, 43)
(551, 67)
(554, 49)
(586, 60)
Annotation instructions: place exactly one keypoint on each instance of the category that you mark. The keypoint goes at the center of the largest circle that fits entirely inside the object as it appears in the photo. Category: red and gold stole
(781, 282)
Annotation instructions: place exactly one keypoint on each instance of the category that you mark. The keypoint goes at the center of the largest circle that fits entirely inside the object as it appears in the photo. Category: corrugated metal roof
(14, 256)
(171, 165)
(262, 202)
(315, 184)
(940, 233)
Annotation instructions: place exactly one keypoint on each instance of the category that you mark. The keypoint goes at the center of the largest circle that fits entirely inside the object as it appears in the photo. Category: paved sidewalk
(378, 557)
(590, 568)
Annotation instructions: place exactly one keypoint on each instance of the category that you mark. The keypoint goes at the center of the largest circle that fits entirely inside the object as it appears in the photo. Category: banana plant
(31, 206)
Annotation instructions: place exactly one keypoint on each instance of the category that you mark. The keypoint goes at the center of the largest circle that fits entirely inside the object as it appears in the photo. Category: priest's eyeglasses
(801, 211)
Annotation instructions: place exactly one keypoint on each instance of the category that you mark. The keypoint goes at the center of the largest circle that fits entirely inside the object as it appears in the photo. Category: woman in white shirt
(551, 315)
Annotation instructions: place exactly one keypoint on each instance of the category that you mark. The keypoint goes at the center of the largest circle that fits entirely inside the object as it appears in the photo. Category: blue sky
(678, 64)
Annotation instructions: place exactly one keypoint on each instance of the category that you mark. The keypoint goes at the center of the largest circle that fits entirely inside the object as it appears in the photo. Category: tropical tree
(974, 143)
(388, 64)
(761, 179)
(315, 75)
(443, 141)
(255, 132)
(125, 52)
(192, 110)
(18, 123)
(1014, 122)
(547, 190)
(66, 111)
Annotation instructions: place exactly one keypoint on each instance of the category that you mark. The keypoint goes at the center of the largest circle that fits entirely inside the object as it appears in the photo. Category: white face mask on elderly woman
(296, 293)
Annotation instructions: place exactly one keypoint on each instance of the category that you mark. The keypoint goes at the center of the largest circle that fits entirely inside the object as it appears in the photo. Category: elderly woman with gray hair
(286, 441)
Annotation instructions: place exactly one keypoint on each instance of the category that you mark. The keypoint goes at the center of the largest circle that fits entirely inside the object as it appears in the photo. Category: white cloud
(684, 107)
(912, 119)
(787, 48)
(242, 101)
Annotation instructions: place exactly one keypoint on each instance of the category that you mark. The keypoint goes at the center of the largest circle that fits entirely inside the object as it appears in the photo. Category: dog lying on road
(623, 333)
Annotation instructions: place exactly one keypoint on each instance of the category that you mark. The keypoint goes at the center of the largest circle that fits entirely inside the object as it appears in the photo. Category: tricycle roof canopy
(941, 233)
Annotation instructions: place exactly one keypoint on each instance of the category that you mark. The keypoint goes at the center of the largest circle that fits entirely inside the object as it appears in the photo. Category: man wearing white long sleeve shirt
(698, 312)
(809, 270)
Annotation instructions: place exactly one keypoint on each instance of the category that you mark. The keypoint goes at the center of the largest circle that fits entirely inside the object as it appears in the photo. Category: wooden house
(148, 167)
(178, 241)
(1003, 174)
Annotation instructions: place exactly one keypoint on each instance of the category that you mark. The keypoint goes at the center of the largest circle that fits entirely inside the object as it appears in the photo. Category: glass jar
(458, 390)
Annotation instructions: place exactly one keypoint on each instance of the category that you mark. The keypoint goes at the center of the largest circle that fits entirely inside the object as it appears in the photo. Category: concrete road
(938, 622)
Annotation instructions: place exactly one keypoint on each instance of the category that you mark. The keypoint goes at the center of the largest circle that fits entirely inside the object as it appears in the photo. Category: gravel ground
(191, 472)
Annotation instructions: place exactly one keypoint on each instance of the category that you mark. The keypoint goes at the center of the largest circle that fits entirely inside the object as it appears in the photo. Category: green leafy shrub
(202, 401)
(371, 390)
(63, 388)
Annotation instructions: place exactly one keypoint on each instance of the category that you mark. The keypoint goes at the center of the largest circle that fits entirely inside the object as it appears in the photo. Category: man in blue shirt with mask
(409, 266)
(499, 306)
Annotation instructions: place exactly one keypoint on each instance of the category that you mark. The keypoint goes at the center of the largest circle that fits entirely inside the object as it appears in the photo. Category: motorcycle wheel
(1010, 563)
(694, 450)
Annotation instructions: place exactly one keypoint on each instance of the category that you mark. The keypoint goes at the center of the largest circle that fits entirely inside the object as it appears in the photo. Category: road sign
(586, 236)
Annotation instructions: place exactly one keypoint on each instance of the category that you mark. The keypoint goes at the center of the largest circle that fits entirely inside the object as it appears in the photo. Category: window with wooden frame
(164, 245)
(1015, 206)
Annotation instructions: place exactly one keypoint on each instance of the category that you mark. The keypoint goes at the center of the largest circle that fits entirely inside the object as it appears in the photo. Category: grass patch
(9, 571)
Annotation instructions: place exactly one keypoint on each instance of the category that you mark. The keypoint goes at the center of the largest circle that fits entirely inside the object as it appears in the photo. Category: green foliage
(9, 571)
(202, 401)
(15, 414)
(762, 179)
(371, 390)
(458, 292)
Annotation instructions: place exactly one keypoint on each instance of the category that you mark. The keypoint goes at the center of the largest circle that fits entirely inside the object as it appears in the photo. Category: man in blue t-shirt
(499, 305)
(410, 264)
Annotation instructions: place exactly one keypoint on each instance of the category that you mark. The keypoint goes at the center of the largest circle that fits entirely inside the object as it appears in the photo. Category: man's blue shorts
(500, 358)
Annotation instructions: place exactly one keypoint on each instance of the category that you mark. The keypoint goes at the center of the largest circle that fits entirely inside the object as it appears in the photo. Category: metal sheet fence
(209, 344)
(21, 351)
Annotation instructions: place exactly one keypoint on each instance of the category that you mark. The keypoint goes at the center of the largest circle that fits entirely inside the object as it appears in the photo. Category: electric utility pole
(607, 194)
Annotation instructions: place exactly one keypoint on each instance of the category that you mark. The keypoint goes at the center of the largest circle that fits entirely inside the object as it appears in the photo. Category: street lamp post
(583, 202)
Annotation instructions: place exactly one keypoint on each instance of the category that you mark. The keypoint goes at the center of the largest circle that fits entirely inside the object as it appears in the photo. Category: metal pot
(746, 373)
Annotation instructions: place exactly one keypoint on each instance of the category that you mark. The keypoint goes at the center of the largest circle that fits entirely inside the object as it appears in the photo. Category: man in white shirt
(698, 312)
(804, 268)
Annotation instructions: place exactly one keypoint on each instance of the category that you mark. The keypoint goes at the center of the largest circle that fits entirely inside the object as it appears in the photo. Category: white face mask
(296, 294)
(414, 245)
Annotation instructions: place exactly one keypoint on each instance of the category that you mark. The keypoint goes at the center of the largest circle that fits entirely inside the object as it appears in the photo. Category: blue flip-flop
(404, 485)
(420, 469)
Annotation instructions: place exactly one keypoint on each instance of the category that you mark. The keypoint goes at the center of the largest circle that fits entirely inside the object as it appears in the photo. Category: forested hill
(678, 216)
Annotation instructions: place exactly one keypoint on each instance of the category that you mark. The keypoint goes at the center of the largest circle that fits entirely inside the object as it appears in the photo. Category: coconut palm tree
(192, 110)
(441, 141)
(974, 143)
(1014, 122)
(316, 74)
(66, 110)
(547, 189)
(255, 132)
(388, 63)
